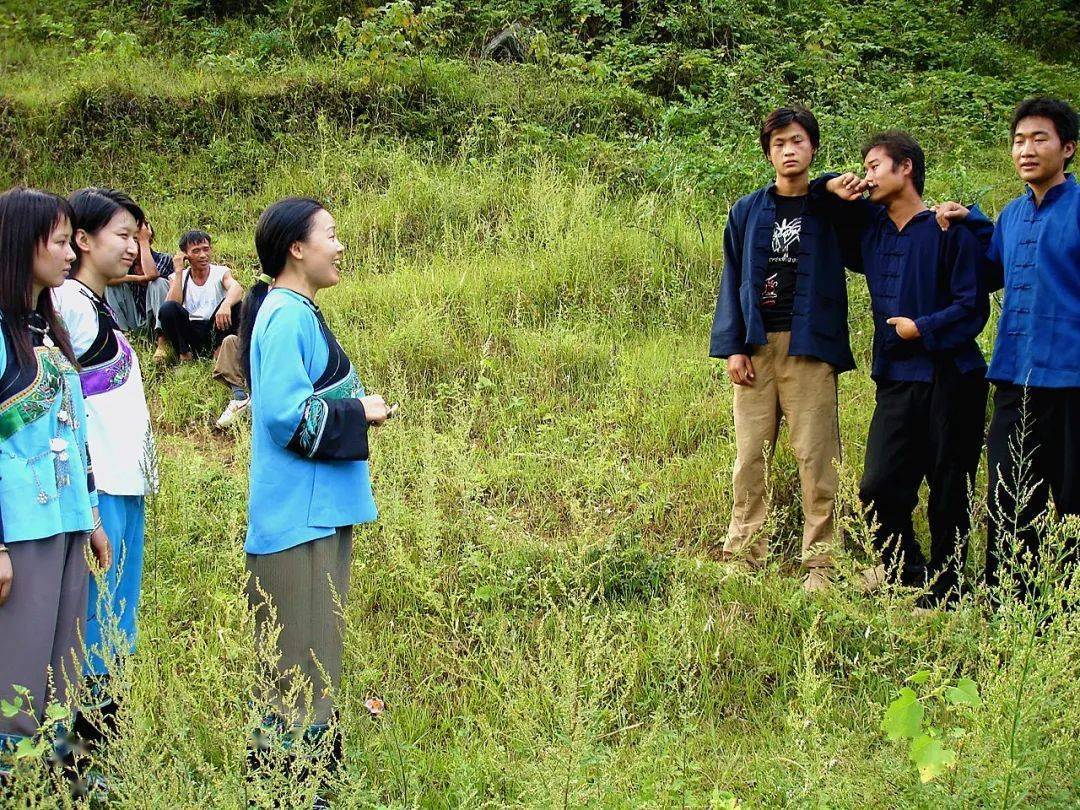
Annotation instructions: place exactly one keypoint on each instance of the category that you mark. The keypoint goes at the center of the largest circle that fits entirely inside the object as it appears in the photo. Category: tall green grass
(538, 603)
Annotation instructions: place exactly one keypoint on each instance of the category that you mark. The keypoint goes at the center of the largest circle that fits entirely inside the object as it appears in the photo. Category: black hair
(194, 237)
(1065, 119)
(28, 218)
(280, 226)
(781, 117)
(900, 146)
(93, 208)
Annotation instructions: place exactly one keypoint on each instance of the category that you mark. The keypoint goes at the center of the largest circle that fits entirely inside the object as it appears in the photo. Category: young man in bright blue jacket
(1033, 445)
(781, 324)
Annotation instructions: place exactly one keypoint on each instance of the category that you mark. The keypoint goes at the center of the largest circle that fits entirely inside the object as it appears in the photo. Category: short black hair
(900, 146)
(194, 237)
(1065, 119)
(92, 209)
(781, 117)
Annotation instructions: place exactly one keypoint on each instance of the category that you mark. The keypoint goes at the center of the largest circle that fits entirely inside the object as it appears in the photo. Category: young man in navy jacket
(1033, 445)
(929, 305)
(781, 324)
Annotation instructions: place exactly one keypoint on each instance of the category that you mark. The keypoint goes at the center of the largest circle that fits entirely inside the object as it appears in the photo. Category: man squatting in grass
(1033, 444)
(929, 306)
(48, 501)
(781, 323)
(106, 224)
(201, 316)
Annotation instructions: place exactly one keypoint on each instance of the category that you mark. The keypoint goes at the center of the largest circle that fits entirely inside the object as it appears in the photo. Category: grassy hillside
(532, 255)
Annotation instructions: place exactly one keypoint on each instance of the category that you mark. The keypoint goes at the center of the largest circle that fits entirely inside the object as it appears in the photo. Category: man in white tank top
(201, 316)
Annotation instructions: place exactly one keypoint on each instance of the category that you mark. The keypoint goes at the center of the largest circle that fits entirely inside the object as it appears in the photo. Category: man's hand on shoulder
(948, 213)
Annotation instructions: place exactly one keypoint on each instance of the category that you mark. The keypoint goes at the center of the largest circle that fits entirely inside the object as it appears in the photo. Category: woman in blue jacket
(48, 501)
(309, 480)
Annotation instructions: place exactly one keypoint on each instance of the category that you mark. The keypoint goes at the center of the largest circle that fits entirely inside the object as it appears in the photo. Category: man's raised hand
(848, 186)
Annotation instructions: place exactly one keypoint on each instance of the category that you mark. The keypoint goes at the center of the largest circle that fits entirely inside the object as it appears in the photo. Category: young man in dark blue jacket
(781, 324)
(929, 306)
(1033, 445)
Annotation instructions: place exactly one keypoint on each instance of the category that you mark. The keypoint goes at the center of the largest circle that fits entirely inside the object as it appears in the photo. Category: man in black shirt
(778, 296)
(781, 325)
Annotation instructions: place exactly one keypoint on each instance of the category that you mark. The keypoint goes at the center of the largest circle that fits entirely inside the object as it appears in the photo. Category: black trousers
(931, 431)
(186, 335)
(1033, 448)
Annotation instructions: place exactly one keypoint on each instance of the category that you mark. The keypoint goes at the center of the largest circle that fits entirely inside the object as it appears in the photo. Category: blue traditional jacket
(1034, 254)
(46, 480)
(309, 473)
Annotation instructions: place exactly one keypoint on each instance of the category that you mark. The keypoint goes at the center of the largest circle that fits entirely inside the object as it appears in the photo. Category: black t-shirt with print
(778, 295)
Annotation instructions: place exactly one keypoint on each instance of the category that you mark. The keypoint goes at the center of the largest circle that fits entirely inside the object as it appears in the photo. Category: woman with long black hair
(309, 482)
(48, 501)
(105, 228)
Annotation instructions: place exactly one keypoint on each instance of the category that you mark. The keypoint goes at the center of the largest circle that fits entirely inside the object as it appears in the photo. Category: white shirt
(202, 300)
(117, 420)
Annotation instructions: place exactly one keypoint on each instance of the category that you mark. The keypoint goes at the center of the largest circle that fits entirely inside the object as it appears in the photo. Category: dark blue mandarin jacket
(1034, 253)
(930, 276)
(819, 323)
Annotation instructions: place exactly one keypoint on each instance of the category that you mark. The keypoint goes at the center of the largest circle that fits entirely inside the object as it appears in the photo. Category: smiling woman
(105, 226)
(48, 500)
(309, 482)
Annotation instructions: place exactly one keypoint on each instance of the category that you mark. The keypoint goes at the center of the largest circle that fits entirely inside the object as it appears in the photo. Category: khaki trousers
(802, 390)
(227, 366)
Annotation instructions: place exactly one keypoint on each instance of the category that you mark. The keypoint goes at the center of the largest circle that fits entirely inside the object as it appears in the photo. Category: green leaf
(920, 677)
(965, 693)
(931, 757)
(56, 711)
(723, 800)
(903, 718)
(28, 748)
(10, 709)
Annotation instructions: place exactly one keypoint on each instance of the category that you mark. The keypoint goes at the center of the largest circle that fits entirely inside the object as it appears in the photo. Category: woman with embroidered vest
(106, 226)
(48, 503)
(309, 480)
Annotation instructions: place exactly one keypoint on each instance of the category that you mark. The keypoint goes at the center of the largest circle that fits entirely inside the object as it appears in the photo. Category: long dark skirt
(307, 587)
